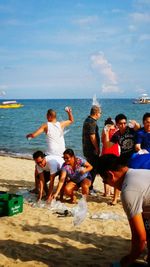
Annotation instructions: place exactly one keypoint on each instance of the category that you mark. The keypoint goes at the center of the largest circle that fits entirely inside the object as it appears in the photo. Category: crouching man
(46, 169)
(135, 195)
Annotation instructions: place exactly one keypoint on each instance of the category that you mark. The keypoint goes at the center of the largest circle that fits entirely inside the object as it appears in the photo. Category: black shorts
(46, 176)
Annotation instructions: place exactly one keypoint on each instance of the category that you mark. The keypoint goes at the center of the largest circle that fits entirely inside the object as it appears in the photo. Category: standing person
(115, 149)
(135, 194)
(54, 131)
(76, 171)
(125, 136)
(91, 141)
(143, 135)
(47, 168)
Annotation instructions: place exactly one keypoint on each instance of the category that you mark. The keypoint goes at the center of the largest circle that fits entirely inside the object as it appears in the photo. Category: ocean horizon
(15, 124)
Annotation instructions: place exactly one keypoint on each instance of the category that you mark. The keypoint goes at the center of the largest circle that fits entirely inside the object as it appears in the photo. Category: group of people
(117, 162)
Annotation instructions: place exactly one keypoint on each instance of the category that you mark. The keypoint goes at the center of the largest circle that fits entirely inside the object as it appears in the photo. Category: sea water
(15, 124)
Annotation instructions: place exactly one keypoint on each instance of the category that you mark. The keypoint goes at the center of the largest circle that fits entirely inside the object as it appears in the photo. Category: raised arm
(70, 118)
(105, 138)
(40, 130)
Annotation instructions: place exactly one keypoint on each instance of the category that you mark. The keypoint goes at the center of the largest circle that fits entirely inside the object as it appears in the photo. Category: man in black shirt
(91, 140)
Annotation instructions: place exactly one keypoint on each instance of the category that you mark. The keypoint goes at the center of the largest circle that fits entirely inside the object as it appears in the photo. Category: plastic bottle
(67, 109)
(131, 124)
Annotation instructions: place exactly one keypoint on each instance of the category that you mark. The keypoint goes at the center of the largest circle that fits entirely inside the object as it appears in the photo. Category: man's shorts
(46, 176)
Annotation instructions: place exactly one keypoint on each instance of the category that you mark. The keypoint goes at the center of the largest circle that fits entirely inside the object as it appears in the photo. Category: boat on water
(10, 104)
(143, 99)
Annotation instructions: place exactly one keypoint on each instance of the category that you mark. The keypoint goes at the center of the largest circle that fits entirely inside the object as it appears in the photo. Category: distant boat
(10, 104)
(143, 99)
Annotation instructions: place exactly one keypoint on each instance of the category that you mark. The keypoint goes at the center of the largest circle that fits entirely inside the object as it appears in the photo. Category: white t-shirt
(135, 192)
(53, 164)
(55, 139)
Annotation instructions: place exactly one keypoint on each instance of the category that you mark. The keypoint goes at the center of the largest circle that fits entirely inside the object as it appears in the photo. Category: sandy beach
(37, 237)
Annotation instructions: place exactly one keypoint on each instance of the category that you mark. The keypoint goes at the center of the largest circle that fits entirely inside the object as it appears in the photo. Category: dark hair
(145, 116)
(109, 162)
(94, 110)
(51, 113)
(120, 117)
(38, 154)
(69, 151)
(109, 121)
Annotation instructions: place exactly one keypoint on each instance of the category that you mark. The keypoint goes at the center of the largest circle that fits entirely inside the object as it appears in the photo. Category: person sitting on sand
(135, 194)
(47, 168)
(76, 171)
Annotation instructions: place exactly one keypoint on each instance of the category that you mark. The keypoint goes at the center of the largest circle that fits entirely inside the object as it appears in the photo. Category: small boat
(143, 99)
(10, 104)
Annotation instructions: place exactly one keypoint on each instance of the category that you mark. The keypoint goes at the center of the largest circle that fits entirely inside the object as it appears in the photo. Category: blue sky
(74, 48)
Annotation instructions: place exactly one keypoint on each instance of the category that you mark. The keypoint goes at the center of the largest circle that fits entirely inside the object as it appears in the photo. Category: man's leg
(147, 228)
(46, 180)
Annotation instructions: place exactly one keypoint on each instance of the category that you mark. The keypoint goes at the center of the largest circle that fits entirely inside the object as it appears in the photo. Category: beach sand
(37, 237)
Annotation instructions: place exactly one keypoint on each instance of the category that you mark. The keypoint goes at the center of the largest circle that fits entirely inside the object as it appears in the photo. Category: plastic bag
(79, 212)
(107, 216)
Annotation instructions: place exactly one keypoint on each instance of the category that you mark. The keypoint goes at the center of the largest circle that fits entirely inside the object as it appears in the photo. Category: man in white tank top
(54, 131)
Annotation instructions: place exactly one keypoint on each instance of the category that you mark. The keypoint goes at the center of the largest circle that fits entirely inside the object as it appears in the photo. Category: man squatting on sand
(47, 168)
(135, 195)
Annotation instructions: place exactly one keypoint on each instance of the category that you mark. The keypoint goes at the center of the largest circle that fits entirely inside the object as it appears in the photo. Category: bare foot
(113, 203)
(73, 200)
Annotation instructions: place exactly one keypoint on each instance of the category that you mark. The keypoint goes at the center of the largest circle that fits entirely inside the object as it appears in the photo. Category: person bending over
(135, 195)
(47, 168)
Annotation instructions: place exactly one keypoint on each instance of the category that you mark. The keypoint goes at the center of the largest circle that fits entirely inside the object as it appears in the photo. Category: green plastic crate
(10, 204)
(3, 195)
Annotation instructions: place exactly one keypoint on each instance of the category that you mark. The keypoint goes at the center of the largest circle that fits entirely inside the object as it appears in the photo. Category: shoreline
(15, 155)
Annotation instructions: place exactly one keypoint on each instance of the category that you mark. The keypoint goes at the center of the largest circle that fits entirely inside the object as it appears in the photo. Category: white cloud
(104, 67)
(144, 37)
(3, 87)
(132, 28)
(100, 63)
(110, 88)
(142, 2)
(85, 21)
(140, 17)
